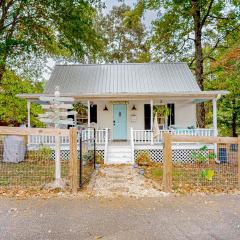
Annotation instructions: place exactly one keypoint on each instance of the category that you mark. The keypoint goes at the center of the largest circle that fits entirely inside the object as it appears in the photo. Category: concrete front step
(119, 155)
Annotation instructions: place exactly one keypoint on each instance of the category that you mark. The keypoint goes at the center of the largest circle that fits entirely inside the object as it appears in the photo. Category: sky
(111, 3)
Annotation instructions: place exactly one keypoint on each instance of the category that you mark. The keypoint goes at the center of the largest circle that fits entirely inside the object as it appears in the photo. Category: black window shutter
(93, 113)
(171, 117)
(70, 116)
(147, 116)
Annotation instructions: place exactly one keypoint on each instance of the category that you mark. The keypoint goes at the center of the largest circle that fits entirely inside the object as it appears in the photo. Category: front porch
(118, 151)
(129, 121)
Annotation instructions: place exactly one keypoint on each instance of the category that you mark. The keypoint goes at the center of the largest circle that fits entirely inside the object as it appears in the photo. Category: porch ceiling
(206, 95)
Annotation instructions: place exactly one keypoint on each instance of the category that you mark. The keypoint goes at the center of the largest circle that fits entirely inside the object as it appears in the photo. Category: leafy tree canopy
(225, 68)
(35, 28)
(190, 31)
(13, 110)
(123, 43)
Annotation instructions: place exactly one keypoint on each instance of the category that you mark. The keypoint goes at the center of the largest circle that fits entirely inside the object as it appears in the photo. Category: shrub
(202, 157)
(42, 154)
(144, 159)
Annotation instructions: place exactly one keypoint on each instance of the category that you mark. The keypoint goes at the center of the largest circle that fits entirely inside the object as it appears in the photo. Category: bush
(144, 159)
(42, 154)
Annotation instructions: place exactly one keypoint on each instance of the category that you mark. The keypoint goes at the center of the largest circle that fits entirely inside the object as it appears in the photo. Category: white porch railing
(64, 140)
(147, 137)
(137, 136)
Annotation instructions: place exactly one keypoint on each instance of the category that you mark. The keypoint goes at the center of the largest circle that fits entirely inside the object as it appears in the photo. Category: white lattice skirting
(179, 155)
(65, 154)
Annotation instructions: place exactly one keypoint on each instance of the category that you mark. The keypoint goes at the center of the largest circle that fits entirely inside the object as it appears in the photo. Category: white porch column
(88, 105)
(151, 123)
(215, 129)
(29, 113)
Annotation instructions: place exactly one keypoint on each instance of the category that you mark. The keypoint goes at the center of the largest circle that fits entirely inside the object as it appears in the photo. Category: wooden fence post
(73, 164)
(167, 162)
(238, 160)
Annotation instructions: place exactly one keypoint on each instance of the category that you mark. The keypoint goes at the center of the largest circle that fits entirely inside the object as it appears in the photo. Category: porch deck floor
(119, 143)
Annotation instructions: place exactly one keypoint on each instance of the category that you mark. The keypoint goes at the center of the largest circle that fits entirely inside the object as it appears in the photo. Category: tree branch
(192, 61)
(222, 18)
(207, 14)
(212, 50)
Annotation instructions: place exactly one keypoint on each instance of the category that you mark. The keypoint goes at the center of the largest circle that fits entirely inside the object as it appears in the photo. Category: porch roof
(198, 95)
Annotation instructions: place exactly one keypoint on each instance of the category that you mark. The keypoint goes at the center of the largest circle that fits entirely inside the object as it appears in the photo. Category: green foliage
(173, 30)
(13, 110)
(225, 75)
(88, 156)
(80, 108)
(207, 174)
(43, 154)
(157, 172)
(123, 42)
(34, 29)
(162, 110)
(191, 31)
(203, 156)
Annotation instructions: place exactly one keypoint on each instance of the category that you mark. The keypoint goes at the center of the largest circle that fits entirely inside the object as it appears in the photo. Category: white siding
(185, 114)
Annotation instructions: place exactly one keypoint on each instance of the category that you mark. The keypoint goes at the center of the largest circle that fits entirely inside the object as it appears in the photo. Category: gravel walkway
(122, 180)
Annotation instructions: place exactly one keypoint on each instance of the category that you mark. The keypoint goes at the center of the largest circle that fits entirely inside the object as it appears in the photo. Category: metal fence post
(73, 159)
(167, 162)
(238, 160)
(80, 157)
(94, 148)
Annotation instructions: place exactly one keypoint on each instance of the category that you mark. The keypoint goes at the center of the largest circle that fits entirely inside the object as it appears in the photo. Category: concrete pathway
(122, 180)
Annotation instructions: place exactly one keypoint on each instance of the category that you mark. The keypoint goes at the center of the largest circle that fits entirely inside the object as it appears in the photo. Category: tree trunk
(199, 58)
(2, 71)
(234, 119)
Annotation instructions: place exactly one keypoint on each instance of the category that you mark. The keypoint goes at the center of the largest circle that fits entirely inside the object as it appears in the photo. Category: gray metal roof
(122, 78)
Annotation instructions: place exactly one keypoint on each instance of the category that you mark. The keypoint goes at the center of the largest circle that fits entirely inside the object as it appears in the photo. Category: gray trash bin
(14, 149)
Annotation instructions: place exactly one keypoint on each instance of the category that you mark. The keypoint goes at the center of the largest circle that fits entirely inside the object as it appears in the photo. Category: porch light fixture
(105, 108)
(134, 108)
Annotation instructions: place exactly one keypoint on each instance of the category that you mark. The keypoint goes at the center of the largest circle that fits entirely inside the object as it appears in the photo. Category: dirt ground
(182, 217)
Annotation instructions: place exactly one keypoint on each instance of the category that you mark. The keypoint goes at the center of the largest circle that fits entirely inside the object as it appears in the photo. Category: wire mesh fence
(87, 157)
(209, 169)
(23, 166)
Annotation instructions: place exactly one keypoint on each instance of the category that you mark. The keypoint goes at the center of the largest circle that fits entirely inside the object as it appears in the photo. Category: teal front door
(119, 122)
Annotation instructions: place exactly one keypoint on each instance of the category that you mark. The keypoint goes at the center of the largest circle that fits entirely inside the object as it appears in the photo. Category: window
(82, 115)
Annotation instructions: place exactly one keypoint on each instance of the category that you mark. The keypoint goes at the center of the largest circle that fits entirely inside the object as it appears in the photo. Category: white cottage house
(121, 99)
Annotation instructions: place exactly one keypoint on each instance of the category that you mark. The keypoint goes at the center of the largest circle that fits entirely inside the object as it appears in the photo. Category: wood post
(238, 160)
(29, 113)
(57, 159)
(167, 162)
(73, 160)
